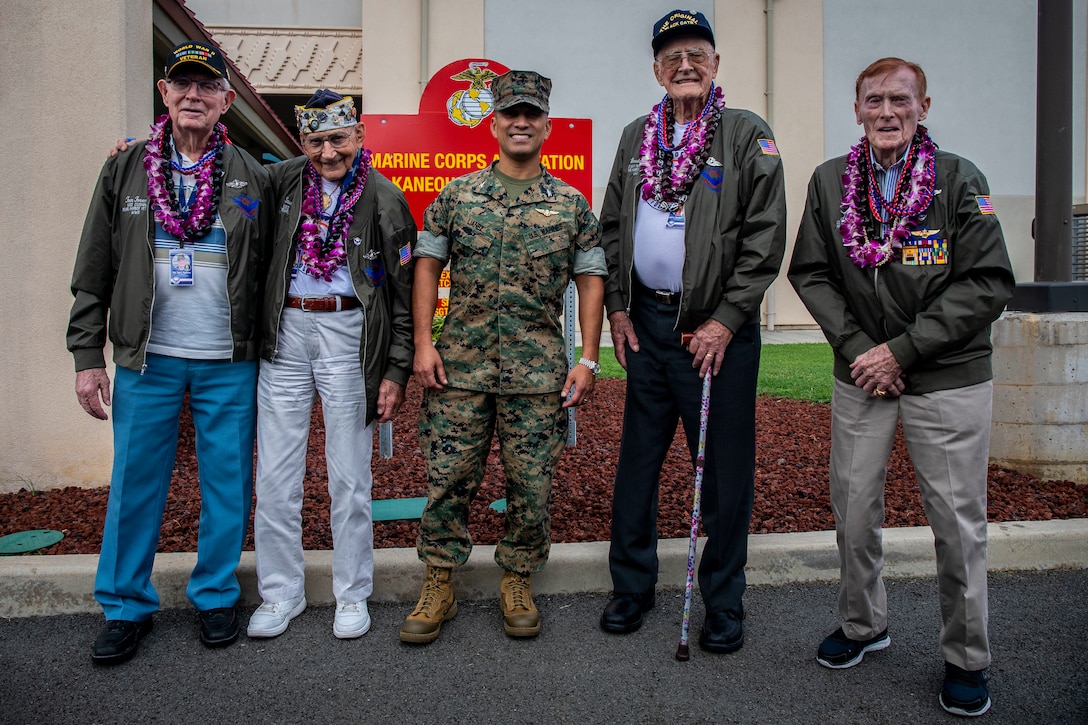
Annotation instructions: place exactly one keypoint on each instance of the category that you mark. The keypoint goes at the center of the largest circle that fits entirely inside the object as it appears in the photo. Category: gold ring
(709, 355)
(880, 393)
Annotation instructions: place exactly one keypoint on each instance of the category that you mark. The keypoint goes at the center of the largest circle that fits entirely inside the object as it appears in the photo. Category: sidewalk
(46, 585)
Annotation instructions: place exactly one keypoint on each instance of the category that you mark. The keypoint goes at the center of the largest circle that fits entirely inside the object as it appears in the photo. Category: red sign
(451, 136)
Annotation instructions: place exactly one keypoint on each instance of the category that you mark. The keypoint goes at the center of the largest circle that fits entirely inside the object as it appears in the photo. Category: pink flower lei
(321, 258)
(902, 213)
(160, 183)
(666, 179)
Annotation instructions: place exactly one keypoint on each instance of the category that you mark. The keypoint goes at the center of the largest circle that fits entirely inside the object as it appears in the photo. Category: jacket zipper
(285, 273)
(148, 239)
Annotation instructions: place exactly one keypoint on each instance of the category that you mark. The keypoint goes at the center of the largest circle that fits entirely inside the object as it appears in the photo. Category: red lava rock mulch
(791, 485)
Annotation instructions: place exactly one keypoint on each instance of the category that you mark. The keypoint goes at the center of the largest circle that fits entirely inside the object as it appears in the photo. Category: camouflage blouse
(510, 262)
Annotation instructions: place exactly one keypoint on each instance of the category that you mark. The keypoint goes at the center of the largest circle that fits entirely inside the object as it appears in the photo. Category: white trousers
(948, 436)
(316, 351)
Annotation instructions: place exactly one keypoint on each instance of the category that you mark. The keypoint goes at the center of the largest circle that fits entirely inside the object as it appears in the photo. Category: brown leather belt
(335, 303)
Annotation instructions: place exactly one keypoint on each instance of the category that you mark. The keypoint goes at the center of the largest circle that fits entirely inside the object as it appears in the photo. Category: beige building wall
(400, 38)
(772, 64)
(101, 60)
(83, 83)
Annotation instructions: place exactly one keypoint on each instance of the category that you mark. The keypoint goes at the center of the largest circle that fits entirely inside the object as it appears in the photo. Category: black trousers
(663, 387)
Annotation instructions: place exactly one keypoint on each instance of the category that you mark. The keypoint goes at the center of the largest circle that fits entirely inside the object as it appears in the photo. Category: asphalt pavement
(572, 672)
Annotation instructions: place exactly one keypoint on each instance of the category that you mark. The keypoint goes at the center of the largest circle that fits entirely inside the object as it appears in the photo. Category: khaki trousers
(947, 434)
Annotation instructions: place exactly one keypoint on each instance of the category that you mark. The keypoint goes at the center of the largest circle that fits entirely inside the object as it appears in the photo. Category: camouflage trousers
(455, 430)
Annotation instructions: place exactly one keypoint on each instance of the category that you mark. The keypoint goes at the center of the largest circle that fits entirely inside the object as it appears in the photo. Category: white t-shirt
(304, 284)
(191, 321)
(659, 241)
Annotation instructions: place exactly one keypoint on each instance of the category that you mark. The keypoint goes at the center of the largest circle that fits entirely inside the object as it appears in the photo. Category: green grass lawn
(801, 372)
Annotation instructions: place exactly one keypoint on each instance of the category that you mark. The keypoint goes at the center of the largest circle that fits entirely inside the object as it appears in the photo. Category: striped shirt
(888, 179)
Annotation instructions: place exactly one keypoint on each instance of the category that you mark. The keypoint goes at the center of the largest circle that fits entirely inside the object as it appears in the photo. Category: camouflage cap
(521, 86)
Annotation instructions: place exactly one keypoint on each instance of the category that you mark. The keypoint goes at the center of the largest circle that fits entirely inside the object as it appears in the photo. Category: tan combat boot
(436, 605)
(520, 617)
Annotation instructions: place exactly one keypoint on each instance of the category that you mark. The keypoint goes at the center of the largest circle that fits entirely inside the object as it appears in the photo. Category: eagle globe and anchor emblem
(470, 106)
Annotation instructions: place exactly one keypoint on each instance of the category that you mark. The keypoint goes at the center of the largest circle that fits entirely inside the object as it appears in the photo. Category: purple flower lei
(321, 258)
(666, 181)
(160, 183)
(860, 192)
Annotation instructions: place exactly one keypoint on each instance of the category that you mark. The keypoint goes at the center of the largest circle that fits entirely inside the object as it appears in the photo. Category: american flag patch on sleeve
(984, 204)
(406, 254)
(768, 147)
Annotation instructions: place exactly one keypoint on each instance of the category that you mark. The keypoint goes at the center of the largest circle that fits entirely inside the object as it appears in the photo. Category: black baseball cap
(195, 52)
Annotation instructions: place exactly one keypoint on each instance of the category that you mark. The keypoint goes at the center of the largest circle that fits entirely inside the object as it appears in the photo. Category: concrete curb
(46, 585)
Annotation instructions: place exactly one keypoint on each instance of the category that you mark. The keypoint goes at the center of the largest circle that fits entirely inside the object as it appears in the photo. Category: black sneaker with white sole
(838, 651)
(965, 692)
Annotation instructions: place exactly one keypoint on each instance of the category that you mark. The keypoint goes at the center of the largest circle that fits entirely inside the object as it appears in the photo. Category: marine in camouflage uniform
(514, 236)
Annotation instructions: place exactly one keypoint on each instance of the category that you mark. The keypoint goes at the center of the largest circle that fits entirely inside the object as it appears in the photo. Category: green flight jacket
(935, 317)
(114, 275)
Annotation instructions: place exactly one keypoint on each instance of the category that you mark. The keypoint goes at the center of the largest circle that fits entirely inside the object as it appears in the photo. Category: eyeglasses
(672, 61)
(336, 140)
(182, 84)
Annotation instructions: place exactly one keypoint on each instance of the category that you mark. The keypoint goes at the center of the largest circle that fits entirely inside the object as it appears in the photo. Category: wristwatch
(594, 367)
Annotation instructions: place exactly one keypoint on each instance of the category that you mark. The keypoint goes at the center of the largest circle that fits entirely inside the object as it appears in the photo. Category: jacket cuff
(906, 354)
(397, 374)
(613, 302)
(730, 315)
(88, 358)
(855, 345)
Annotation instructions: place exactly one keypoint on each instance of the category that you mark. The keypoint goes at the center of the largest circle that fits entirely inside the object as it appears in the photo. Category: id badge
(675, 220)
(181, 267)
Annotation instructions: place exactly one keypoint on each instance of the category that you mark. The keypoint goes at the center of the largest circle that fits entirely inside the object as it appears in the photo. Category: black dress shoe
(118, 640)
(623, 613)
(218, 627)
(722, 633)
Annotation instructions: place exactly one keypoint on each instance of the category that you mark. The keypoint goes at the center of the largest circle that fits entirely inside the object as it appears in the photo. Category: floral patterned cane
(704, 413)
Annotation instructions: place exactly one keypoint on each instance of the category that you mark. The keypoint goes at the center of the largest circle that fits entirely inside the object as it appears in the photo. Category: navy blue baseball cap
(680, 23)
(196, 53)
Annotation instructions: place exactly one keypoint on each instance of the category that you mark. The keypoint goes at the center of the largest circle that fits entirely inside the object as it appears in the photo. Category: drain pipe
(769, 94)
(424, 43)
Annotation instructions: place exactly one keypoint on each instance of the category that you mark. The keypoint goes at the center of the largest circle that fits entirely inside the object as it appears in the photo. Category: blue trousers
(146, 408)
(662, 388)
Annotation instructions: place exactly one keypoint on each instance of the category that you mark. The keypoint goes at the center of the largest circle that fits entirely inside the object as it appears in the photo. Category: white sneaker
(271, 618)
(352, 620)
